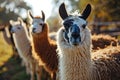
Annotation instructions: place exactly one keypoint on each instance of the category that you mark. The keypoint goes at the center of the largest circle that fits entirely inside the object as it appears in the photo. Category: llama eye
(66, 27)
(41, 24)
(18, 27)
(83, 26)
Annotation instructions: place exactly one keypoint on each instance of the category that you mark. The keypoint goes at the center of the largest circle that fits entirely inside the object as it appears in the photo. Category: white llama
(74, 50)
(23, 44)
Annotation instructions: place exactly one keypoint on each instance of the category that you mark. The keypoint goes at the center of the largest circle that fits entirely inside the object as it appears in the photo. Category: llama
(44, 48)
(74, 50)
(23, 45)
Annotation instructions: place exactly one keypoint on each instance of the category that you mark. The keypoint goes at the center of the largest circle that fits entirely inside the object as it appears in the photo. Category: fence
(111, 28)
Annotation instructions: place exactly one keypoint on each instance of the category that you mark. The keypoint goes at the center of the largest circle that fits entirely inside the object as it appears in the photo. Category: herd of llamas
(70, 54)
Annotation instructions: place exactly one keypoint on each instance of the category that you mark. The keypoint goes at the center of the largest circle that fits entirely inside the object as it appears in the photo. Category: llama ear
(43, 15)
(62, 11)
(29, 18)
(11, 22)
(30, 14)
(86, 12)
(20, 20)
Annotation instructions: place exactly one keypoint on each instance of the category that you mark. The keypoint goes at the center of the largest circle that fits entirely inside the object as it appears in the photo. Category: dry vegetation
(5, 51)
(101, 41)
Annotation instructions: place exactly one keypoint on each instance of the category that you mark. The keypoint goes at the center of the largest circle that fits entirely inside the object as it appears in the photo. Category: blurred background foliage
(102, 10)
(11, 9)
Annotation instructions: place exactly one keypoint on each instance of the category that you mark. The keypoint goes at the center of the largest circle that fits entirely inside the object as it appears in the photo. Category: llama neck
(40, 42)
(22, 42)
(77, 64)
(45, 52)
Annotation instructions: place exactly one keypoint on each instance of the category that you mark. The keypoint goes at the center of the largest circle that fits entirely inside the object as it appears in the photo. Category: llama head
(37, 23)
(74, 25)
(17, 26)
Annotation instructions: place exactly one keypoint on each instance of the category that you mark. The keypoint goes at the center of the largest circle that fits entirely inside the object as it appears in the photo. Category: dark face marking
(68, 23)
(75, 31)
(65, 36)
(72, 32)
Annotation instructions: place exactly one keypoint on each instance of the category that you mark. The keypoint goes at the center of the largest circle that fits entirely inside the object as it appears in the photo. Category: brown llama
(76, 62)
(44, 48)
(23, 44)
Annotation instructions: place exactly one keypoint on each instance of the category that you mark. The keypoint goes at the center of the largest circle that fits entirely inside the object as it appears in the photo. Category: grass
(14, 70)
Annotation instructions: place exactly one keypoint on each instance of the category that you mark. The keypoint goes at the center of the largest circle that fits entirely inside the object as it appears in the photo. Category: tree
(11, 9)
(105, 10)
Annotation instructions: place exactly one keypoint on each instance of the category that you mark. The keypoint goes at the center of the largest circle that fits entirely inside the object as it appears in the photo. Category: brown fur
(45, 51)
(37, 17)
(107, 62)
(101, 41)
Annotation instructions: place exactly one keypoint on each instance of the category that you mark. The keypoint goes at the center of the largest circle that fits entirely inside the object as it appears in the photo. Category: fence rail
(96, 28)
(104, 23)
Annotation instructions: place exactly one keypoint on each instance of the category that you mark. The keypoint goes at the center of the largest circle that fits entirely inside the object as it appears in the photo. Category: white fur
(73, 58)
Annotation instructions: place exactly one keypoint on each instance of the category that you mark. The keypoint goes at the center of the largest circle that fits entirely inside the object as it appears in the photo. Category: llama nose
(75, 31)
(33, 30)
(75, 34)
(12, 31)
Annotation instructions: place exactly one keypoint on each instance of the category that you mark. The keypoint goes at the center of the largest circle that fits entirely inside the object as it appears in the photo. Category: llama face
(74, 30)
(17, 26)
(37, 23)
(75, 25)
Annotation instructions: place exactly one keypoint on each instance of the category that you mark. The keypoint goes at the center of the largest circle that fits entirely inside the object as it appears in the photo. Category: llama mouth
(12, 31)
(35, 33)
(75, 44)
(75, 41)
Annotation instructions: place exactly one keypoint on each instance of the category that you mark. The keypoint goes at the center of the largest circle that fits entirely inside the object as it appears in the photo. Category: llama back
(102, 41)
(107, 63)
